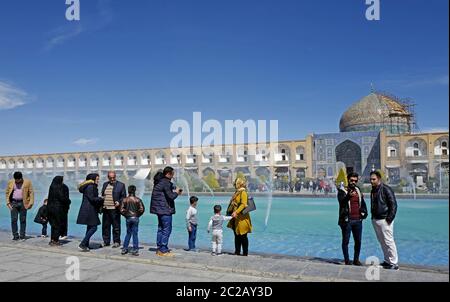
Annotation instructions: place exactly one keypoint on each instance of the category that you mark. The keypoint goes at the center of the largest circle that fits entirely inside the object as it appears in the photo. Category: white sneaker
(63, 237)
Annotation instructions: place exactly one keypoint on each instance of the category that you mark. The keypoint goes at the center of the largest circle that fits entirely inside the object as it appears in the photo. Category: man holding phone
(163, 205)
(352, 211)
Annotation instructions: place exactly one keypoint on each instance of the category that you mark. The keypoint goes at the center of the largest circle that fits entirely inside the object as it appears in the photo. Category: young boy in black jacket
(42, 218)
(132, 208)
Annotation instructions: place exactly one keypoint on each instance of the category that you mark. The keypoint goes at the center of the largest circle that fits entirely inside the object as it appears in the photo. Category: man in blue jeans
(352, 211)
(163, 205)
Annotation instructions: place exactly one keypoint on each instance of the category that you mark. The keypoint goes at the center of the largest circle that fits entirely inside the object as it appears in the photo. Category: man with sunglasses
(352, 211)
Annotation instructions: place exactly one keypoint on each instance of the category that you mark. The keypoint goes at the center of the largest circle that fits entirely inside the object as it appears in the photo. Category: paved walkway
(35, 260)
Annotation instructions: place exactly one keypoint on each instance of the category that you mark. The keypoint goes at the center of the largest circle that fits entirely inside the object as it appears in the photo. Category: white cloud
(434, 130)
(61, 35)
(11, 97)
(91, 23)
(440, 80)
(411, 82)
(85, 141)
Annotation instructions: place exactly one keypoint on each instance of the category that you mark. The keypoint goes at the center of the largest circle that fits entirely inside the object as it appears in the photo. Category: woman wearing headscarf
(58, 199)
(241, 224)
(90, 208)
(65, 221)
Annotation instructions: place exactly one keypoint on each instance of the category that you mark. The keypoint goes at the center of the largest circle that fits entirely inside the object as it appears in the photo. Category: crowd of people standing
(111, 203)
(114, 202)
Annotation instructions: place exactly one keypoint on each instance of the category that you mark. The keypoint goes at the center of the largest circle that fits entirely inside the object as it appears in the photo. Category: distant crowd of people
(113, 202)
(316, 186)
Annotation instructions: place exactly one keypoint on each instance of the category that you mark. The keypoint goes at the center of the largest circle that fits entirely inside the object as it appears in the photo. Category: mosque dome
(376, 112)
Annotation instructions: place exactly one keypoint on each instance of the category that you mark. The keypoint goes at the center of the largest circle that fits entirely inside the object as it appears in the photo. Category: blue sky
(120, 76)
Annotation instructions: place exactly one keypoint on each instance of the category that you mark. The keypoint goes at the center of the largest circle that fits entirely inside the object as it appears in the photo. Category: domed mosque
(357, 147)
(375, 112)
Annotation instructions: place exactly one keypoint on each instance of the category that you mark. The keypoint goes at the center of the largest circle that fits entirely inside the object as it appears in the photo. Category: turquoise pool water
(299, 227)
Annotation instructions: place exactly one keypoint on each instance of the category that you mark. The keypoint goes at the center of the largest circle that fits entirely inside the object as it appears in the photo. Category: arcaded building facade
(375, 133)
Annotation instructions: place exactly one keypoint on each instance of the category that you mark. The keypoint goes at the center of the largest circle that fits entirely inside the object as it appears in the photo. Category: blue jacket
(163, 198)
(119, 191)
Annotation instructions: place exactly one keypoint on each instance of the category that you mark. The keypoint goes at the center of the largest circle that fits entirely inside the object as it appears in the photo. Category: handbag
(230, 208)
(251, 206)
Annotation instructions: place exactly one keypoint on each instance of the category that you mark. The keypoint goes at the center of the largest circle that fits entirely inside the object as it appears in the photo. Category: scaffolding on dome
(394, 118)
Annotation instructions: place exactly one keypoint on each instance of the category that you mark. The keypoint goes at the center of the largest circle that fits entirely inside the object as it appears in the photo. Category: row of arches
(418, 147)
(146, 159)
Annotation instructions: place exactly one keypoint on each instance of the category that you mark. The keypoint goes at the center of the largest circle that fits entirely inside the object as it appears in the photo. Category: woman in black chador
(58, 201)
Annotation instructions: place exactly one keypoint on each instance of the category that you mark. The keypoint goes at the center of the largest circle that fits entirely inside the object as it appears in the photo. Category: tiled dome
(375, 112)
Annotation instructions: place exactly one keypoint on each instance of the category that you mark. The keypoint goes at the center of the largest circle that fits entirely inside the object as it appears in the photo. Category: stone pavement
(35, 260)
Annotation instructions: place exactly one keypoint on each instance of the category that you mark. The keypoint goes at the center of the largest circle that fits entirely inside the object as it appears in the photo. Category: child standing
(132, 208)
(191, 223)
(42, 218)
(216, 224)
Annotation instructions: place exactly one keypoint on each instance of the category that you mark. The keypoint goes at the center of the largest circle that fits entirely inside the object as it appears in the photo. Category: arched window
(242, 154)
(146, 159)
(71, 162)
(106, 161)
(118, 160)
(160, 158)
(262, 154)
(208, 157)
(392, 149)
(30, 163)
(300, 154)
(283, 153)
(82, 161)
(40, 163)
(20, 164)
(132, 160)
(94, 161)
(50, 163)
(416, 147)
(60, 162)
(444, 148)
(11, 164)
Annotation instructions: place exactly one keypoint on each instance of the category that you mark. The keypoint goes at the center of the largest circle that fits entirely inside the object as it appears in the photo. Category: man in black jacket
(113, 192)
(163, 205)
(384, 209)
(352, 211)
